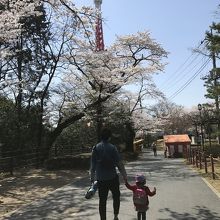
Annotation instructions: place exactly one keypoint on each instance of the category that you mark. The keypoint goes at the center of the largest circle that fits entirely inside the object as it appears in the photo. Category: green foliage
(213, 39)
(17, 135)
(214, 150)
(7, 122)
(70, 162)
(78, 136)
(213, 46)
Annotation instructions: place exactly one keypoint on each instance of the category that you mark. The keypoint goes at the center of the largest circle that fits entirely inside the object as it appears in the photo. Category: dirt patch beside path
(28, 185)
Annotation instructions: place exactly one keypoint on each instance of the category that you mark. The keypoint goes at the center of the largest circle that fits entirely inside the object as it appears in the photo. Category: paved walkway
(181, 194)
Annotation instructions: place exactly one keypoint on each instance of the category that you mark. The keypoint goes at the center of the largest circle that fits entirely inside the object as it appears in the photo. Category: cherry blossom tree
(129, 60)
(171, 118)
(48, 61)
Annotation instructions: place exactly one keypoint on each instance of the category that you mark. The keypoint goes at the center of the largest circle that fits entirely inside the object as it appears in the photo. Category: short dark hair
(106, 134)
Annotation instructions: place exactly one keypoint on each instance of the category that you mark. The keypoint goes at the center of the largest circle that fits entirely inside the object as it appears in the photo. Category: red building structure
(176, 145)
(98, 30)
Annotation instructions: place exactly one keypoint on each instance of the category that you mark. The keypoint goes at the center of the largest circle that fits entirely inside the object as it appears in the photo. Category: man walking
(154, 147)
(105, 159)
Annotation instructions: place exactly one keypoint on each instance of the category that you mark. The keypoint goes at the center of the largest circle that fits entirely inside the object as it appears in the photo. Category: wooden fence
(34, 158)
(199, 159)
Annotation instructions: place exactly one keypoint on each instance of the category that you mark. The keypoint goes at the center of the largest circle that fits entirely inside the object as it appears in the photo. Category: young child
(140, 196)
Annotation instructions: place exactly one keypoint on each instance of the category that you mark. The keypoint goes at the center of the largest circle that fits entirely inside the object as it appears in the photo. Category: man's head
(106, 134)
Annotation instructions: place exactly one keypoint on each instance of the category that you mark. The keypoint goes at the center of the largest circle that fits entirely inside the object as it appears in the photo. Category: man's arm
(120, 165)
(122, 170)
(93, 165)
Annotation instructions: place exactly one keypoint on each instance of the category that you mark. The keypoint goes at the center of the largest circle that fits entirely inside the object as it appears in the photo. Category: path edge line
(211, 187)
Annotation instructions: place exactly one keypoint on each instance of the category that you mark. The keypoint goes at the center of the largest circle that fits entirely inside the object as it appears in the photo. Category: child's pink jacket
(141, 208)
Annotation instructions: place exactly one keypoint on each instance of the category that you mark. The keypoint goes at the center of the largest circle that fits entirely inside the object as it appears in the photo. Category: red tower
(99, 30)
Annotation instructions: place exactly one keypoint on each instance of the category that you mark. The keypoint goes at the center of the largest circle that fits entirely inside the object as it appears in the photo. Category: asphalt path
(181, 194)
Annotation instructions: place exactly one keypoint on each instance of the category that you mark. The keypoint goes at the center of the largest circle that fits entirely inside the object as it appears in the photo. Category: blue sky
(179, 26)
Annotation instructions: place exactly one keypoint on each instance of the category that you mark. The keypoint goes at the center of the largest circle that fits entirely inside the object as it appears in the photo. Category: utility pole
(201, 126)
(215, 78)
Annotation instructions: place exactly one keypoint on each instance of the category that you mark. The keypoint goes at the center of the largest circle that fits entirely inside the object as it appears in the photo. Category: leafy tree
(22, 42)
(7, 125)
(212, 80)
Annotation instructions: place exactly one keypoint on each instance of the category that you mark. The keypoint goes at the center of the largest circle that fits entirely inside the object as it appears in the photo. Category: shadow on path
(181, 194)
(202, 213)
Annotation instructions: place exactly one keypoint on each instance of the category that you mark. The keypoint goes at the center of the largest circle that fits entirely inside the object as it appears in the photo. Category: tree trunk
(129, 137)
(99, 120)
(40, 151)
(218, 120)
(19, 97)
(58, 130)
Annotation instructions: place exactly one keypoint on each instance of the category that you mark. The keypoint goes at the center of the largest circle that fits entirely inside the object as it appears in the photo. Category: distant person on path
(165, 153)
(105, 158)
(140, 196)
(154, 147)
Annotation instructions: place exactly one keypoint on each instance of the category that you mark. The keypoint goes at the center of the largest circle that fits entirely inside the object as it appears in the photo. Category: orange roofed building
(176, 145)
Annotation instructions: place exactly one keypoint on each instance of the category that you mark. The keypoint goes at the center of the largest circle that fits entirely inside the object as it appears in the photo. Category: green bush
(130, 156)
(68, 162)
(214, 150)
